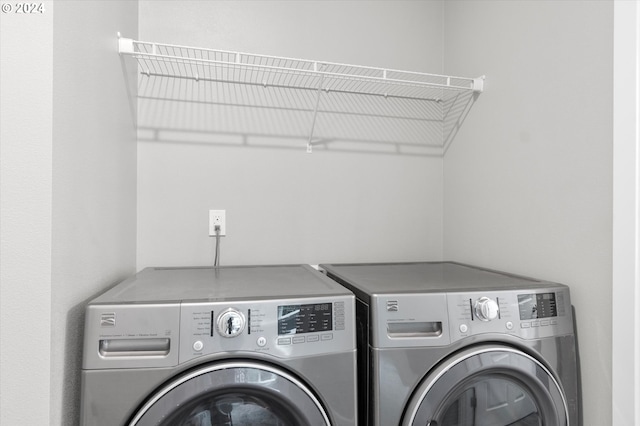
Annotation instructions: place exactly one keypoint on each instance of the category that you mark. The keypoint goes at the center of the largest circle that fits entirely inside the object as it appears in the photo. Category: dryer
(267, 345)
(447, 344)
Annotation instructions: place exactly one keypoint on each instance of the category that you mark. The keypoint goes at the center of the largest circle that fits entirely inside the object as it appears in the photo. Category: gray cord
(216, 257)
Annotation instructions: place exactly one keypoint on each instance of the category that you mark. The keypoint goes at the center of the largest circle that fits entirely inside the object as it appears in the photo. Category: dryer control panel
(439, 319)
(281, 328)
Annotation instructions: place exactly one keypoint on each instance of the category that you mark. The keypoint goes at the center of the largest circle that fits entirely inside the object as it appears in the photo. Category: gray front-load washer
(264, 345)
(446, 344)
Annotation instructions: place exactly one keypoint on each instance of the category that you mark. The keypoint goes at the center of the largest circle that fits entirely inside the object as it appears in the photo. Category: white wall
(528, 181)
(282, 204)
(25, 215)
(94, 189)
(68, 195)
(626, 212)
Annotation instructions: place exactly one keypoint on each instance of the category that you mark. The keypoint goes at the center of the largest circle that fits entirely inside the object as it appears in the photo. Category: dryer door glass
(233, 394)
(488, 386)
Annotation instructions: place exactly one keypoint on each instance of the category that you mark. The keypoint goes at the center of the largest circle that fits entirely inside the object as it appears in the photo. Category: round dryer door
(233, 393)
(488, 386)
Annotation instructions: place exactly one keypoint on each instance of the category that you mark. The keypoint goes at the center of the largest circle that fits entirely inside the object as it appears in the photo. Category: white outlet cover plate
(218, 217)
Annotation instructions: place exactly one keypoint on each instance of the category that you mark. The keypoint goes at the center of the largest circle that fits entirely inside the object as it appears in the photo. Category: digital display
(533, 306)
(297, 319)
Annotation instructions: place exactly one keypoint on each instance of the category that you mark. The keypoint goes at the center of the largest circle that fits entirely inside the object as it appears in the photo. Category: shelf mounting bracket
(125, 45)
(478, 84)
(315, 110)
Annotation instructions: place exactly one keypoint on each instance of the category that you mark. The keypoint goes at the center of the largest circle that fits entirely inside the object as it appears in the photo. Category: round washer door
(488, 386)
(233, 393)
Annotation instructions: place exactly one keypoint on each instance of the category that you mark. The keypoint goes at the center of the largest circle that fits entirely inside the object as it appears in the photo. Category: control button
(298, 339)
(284, 341)
(231, 323)
(314, 338)
(463, 328)
(509, 325)
(525, 325)
(554, 322)
(262, 341)
(328, 336)
(544, 322)
(535, 323)
(198, 345)
(486, 309)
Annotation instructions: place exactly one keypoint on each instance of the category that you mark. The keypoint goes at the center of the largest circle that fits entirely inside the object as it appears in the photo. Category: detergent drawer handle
(134, 347)
(414, 329)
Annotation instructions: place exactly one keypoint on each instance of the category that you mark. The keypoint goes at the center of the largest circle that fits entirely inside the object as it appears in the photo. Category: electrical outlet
(217, 217)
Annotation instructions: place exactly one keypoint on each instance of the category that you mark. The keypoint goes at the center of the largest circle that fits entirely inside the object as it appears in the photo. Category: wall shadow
(183, 110)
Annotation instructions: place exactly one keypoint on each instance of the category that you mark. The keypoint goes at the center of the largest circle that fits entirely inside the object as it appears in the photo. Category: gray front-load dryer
(446, 344)
(264, 345)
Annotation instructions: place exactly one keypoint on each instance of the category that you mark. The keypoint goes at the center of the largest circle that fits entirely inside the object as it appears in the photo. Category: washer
(443, 343)
(263, 345)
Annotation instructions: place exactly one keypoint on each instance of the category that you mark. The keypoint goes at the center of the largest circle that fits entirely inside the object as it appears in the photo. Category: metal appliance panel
(164, 322)
(420, 314)
(439, 319)
(156, 285)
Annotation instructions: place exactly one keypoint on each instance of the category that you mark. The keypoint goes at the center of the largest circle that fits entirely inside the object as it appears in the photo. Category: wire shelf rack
(329, 89)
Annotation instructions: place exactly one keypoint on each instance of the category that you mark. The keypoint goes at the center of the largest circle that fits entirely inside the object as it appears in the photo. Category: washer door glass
(488, 386)
(233, 394)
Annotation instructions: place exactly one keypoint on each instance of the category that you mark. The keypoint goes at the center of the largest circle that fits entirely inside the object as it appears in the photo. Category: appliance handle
(414, 329)
(134, 347)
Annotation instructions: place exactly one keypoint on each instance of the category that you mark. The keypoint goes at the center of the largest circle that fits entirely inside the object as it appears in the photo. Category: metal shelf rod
(284, 86)
(407, 83)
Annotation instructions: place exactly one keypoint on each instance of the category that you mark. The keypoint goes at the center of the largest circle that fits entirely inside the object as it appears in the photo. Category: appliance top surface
(222, 283)
(421, 277)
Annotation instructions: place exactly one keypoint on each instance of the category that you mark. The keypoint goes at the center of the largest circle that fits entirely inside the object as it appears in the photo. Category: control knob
(486, 309)
(230, 323)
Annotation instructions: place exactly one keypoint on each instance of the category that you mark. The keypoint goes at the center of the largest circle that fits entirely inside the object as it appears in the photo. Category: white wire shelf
(436, 102)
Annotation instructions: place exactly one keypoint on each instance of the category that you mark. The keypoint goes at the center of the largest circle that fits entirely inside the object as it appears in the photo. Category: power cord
(216, 257)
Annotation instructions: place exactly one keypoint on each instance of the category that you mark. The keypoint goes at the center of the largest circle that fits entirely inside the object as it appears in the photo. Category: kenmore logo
(392, 306)
(108, 319)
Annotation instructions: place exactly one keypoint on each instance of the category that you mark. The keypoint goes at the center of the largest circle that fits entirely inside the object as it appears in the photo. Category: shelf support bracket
(315, 114)
(125, 45)
(478, 84)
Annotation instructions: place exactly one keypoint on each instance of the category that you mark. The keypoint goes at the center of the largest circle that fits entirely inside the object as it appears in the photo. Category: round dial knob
(230, 323)
(486, 309)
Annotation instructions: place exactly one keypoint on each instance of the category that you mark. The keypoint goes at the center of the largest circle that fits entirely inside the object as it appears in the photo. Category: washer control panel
(438, 319)
(281, 328)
